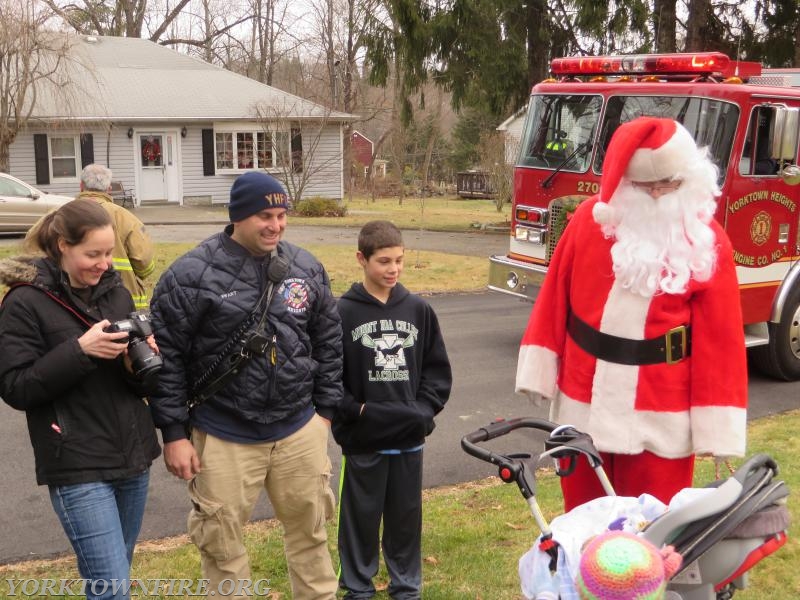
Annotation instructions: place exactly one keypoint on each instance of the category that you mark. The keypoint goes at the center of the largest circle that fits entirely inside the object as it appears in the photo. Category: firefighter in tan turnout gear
(133, 249)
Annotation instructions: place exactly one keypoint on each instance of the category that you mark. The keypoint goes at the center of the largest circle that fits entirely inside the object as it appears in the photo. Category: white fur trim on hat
(664, 161)
(602, 212)
(646, 149)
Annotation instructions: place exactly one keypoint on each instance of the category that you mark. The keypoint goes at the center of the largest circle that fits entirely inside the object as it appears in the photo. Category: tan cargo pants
(295, 472)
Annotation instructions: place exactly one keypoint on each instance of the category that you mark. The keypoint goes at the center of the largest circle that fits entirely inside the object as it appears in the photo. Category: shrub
(320, 207)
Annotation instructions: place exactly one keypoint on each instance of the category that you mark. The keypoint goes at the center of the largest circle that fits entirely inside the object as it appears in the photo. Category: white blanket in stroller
(572, 529)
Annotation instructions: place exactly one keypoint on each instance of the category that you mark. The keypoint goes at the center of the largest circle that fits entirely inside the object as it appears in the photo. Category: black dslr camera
(144, 361)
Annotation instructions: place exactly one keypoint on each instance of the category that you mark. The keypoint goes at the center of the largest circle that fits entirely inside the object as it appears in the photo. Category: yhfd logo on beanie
(253, 192)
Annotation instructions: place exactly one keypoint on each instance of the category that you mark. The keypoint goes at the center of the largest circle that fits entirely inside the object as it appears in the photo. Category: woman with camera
(92, 434)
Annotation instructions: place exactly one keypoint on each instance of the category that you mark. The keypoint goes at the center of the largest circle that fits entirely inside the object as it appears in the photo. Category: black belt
(670, 348)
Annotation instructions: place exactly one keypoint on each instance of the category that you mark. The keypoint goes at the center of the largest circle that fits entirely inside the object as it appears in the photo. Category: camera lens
(144, 361)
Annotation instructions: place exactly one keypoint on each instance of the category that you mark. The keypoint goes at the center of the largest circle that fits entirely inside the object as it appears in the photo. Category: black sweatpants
(375, 485)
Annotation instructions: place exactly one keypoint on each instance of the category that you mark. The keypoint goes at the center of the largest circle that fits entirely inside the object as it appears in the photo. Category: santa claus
(636, 336)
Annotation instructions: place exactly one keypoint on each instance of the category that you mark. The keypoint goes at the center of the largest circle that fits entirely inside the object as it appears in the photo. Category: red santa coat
(697, 405)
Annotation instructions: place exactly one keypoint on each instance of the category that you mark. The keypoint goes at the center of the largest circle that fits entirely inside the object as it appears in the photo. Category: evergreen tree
(779, 44)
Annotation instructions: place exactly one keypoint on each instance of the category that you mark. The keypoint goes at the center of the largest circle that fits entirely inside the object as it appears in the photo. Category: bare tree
(339, 29)
(292, 139)
(120, 17)
(34, 62)
(500, 173)
(272, 38)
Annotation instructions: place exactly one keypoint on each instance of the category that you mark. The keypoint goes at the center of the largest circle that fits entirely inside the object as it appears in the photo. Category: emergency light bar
(700, 63)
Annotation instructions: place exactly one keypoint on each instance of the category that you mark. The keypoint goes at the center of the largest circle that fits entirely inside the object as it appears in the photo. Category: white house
(512, 130)
(175, 129)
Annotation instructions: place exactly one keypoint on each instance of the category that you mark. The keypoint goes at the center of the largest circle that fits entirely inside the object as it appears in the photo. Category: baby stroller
(720, 534)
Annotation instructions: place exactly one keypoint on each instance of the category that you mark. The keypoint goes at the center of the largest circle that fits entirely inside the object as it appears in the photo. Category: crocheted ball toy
(617, 565)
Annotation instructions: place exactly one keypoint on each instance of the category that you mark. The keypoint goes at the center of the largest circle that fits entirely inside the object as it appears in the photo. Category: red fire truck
(750, 122)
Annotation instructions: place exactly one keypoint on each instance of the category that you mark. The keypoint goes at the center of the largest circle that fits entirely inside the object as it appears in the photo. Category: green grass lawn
(440, 213)
(473, 536)
(425, 272)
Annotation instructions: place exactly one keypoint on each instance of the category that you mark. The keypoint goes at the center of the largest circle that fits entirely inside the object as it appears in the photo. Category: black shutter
(41, 158)
(208, 152)
(87, 149)
(297, 150)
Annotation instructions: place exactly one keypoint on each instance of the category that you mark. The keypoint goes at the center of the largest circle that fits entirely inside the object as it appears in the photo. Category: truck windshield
(557, 125)
(712, 123)
(560, 123)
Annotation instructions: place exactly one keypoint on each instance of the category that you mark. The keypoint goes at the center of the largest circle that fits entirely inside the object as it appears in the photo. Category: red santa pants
(631, 475)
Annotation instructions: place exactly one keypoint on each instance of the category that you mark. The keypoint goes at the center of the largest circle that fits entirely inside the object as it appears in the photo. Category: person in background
(397, 378)
(267, 424)
(636, 334)
(92, 434)
(133, 249)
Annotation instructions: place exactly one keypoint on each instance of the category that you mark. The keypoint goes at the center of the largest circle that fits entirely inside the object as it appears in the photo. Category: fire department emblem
(295, 295)
(760, 228)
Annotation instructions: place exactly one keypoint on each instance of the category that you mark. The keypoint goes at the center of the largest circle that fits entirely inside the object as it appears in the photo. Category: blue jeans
(102, 520)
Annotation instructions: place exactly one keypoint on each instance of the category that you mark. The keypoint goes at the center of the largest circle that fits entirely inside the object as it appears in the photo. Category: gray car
(21, 205)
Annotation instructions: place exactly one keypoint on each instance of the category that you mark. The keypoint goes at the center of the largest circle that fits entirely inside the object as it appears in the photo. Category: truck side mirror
(790, 174)
(784, 134)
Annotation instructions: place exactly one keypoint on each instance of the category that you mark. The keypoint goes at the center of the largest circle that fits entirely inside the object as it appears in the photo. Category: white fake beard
(660, 243)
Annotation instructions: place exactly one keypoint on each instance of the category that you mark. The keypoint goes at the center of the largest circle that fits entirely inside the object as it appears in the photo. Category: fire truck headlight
(529, 234)
(536, 236)
(513, 280)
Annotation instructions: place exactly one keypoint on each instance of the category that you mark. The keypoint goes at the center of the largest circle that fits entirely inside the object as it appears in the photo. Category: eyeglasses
(661, 186)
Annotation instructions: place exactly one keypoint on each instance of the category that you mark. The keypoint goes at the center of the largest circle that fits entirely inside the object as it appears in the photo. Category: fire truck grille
(560, 211)
(555, 227)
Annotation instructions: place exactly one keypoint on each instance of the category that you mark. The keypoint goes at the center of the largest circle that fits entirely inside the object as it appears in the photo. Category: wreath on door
(151, 151)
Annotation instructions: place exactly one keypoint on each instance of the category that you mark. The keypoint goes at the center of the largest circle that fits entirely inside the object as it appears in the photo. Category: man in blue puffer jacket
(268, 425)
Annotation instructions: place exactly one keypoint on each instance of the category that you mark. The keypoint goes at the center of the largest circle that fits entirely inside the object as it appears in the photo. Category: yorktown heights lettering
(776, 197)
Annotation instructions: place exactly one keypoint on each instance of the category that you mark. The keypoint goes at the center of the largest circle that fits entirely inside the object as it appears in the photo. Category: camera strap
(53, 297)
(236, 354)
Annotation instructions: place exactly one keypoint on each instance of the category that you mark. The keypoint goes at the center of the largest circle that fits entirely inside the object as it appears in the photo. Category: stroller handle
(501, 427)
(498, 429)
(755, 462)
(564, 441)
(512, 467)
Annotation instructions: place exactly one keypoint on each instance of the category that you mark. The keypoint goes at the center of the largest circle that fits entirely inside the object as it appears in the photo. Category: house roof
(520, 112)
(356, 132)
(135, 79)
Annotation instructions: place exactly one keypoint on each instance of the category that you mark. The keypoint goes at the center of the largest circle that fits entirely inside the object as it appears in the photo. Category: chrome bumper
(514, 277)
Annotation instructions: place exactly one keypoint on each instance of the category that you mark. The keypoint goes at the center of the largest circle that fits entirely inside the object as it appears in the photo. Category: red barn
(361, 148)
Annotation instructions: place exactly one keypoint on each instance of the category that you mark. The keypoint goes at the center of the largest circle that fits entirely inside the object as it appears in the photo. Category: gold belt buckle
(675, 330)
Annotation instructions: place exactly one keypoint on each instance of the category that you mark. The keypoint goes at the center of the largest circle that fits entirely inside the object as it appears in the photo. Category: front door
(158, 166)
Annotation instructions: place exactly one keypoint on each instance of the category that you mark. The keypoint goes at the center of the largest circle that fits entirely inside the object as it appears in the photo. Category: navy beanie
(253, 192)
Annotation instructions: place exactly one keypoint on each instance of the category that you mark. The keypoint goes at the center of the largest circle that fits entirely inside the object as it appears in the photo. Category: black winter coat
(86, 416)
(203, 298)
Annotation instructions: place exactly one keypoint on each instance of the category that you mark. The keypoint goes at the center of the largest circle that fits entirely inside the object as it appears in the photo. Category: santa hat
(646, 149)
(617, 565)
